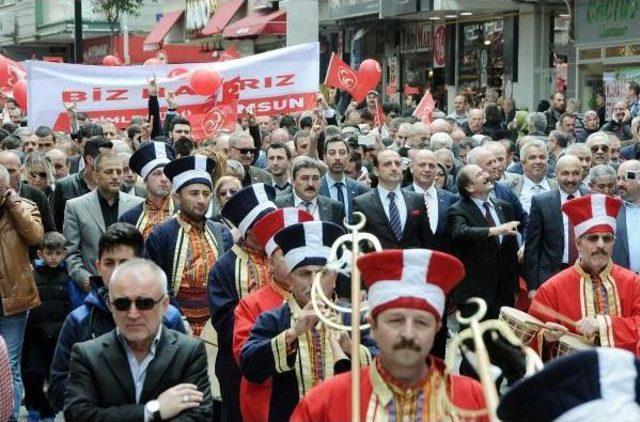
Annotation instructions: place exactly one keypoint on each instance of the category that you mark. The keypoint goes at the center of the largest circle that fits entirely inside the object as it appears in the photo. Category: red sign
(440, 45)
(425, 108)
(411, 90)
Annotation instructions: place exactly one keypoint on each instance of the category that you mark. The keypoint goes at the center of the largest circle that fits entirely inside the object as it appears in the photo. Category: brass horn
(343, 265)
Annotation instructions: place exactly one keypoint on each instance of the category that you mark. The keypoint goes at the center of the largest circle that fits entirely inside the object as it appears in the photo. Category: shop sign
(439, 46)
(416, 38)
(96, 51)
(389, 8)
(607, 20)
(341, 9)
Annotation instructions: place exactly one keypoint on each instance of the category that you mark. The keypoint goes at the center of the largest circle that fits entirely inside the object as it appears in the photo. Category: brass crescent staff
(355, 237)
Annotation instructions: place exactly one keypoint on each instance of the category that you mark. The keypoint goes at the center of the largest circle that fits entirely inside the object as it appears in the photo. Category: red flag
(341, 76)
(425, 108)
(211, 119)
(379, 118)
(10, 73)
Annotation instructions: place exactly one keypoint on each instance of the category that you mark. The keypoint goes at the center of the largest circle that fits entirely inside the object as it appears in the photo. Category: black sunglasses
(245, 150)
(142, 303)
(595, 148)
(35, 174)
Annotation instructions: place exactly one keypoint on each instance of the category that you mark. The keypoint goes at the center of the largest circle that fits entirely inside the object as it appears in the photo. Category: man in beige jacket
(20, 227)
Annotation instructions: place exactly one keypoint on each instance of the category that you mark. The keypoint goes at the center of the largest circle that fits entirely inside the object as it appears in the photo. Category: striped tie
(394, 216)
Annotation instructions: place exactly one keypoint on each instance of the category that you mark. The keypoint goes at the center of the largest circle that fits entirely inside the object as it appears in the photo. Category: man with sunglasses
(141, 370)
(243, 149)
(148, 162)
(626, 251)
(602, 297)
(599, 144)
(120, 243)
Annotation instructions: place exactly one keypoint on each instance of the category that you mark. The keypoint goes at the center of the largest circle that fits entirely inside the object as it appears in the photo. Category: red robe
(254, 398)
(331, 400)
(573, 294)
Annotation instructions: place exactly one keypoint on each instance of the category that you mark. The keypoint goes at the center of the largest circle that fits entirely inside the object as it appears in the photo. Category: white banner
(277, 82)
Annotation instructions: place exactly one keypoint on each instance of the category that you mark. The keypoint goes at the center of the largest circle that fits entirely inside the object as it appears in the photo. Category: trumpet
(346, 264)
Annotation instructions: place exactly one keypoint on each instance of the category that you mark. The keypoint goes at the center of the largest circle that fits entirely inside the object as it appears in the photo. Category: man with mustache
(287, 344)
(601, 296)
(549, 245)
(406, 293)
(305, 177)
(148, 162)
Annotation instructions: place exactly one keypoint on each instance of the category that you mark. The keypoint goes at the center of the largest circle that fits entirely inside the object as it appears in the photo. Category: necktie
(571, 238)
(487, 214)
(537, 189)
(338, 186)
(394, 216)
(307, 206)
(430, 212)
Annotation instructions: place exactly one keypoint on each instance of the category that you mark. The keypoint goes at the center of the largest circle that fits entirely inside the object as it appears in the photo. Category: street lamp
(77, 4)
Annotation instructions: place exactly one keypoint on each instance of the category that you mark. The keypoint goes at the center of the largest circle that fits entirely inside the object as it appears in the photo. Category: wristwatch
(153, 407)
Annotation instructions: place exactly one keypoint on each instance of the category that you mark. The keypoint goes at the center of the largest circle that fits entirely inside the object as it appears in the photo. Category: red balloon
(205, 81)
(20, 93)
(110, 61)
(151, 62)
(370, 73)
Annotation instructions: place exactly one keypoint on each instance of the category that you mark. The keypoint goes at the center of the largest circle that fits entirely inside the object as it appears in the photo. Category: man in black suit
(424, 165)
(140, 370)
(550, 245)
(483, 237)
(397, 218)
(625, 251)
(305, 176)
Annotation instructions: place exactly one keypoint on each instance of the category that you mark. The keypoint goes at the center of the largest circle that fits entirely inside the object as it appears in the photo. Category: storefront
(608, 49)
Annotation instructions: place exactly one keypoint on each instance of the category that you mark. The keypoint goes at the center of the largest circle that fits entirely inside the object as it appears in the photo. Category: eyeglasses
(594, 237)
(41, 175)
(439, 174)
(244, 151)
(123, 304)
(595, 148)
(228, 192)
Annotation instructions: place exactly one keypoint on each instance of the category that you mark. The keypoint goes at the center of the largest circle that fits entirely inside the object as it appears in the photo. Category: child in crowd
(44, 323)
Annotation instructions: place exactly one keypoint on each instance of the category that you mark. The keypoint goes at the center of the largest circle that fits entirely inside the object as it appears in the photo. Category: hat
(594, 385)
(150, 156)
(249, 205)
(189, 170)
(373, 91)
(410, 278)
(592, 214)
(266, 228)
(307, 243)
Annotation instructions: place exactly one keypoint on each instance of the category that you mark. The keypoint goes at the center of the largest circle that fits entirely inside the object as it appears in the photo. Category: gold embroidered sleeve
(605, 330)
(281, 352)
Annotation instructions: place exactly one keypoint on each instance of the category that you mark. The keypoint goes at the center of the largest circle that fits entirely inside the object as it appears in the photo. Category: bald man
(620, 122)
(424, 165)
(626, 251)
(550, 243)
(11, 161)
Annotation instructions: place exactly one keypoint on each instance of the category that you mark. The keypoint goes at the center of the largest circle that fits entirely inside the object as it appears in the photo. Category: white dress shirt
(530, 188)
(297, 202)
(492, 210)
(333, 191)
(399, 200)
(565, 224)
(431, 202)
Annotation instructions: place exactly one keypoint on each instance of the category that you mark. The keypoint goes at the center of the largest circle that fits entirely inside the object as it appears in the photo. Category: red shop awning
(258, 23)
(162, 28)
(221, 18)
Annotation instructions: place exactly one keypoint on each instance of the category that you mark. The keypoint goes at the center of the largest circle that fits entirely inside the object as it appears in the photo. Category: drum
(571, 344)
(524, 326)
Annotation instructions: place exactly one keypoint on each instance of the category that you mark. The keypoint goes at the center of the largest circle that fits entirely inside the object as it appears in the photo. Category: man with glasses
(120, 243)
(599, 144)
(626, 251)
(243, 150)
(602, 297)
(141, 370)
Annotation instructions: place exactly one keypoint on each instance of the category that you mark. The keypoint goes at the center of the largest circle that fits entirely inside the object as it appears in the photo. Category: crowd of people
(147, 275)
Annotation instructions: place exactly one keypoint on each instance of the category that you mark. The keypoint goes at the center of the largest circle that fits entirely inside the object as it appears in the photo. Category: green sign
(607, 20)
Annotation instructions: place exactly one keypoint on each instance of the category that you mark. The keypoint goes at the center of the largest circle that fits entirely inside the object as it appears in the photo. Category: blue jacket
(87, 322)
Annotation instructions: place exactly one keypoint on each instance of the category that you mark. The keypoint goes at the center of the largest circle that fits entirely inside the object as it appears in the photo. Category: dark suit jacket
(353, 189)
(328, 209)
(417, 232)
(544, 243)
(491, 268)
(506, 194)
(442, 236)
(69, 187)
(100, 386)
(621, 247)
(35, 195)
(74, 164)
